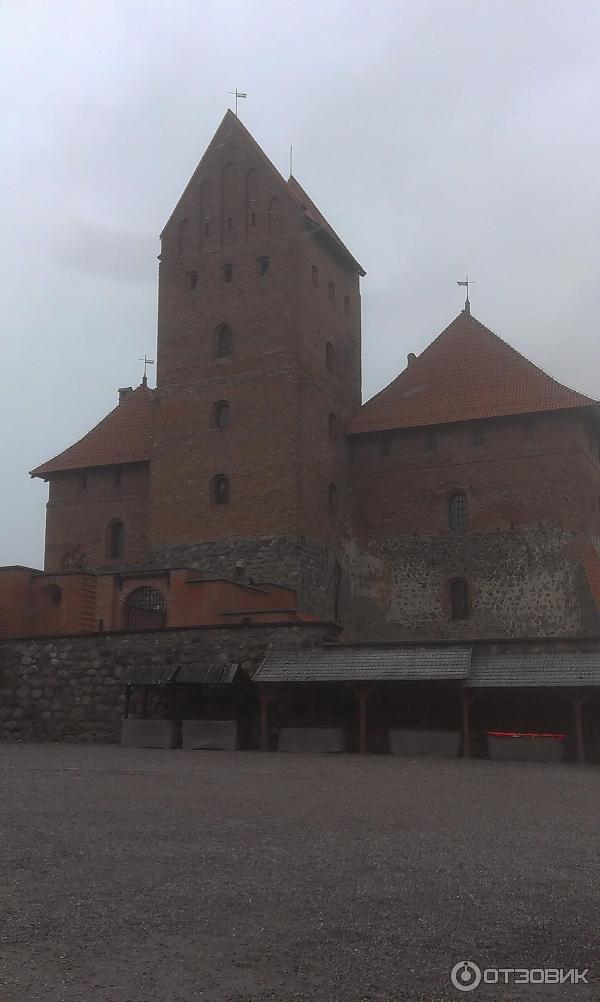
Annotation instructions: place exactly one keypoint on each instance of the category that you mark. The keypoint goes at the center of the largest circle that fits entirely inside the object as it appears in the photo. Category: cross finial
(466, 283)
(238, 94)
(147, 361)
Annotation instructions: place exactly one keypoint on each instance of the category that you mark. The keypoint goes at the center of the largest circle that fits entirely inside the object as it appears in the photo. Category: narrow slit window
(331, 292)
(192, 280)
(220, 489)
(346, 306)
(221, 415)
(227, 273)
(314, 275)
(457, 512)
(459, 599)
(332, 501)
(116, 539)
(330, 357)
(224, 341)
(262, 266)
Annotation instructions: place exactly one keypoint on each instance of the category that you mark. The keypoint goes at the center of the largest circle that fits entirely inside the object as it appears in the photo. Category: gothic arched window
(220, 489)
(224, 341)
(221, 414)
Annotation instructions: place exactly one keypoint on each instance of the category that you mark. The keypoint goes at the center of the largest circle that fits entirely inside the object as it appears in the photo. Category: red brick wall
(277, 451)
(527, 472)
(80, 511)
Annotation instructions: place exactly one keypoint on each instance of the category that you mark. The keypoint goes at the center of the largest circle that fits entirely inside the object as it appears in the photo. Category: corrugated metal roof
(568, 670)
(366, 665)
(192, 673)
(159, 674)
(199, 673)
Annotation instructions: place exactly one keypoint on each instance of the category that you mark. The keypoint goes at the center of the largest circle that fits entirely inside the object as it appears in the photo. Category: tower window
(227, 271)
(331, 292)
(314, 275)
(457, 512)
(262, 266)
(224, 341)
(332, 501)
(346, 306)
(478, 435)
(220, 489)
(192, 280)
(221, 414)
(206, 229)
(330, 357)
(332, 426)
(459, 599)
(116, 538)
(253, 219)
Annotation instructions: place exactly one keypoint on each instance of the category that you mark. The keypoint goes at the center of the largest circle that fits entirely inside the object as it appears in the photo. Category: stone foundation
(70, 688)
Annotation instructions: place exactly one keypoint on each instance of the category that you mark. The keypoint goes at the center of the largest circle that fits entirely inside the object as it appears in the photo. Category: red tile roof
(467, 373)
(592, 569)
(123, 436)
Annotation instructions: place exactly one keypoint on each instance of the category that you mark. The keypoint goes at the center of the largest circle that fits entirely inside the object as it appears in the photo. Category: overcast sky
(438, 138)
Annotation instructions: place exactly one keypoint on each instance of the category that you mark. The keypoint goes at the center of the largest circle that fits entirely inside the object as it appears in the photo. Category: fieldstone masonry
(70, 688)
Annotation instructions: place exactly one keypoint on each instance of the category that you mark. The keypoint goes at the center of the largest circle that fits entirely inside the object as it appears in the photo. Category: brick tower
(258, 377)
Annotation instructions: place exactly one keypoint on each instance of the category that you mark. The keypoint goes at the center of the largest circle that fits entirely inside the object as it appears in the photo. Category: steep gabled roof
(467, 373)
(316, 218)
(123, 436)
(231, 125)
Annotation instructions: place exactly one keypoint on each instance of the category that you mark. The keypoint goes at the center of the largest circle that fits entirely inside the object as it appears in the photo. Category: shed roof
(188, 673)
(347, 664)
(468, 373)
(533, 671)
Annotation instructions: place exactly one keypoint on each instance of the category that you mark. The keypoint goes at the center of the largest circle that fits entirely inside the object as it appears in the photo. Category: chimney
(124, 391)
(411, 358)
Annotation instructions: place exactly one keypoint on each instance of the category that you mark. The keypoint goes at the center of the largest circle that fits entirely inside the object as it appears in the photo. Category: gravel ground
(137, 875)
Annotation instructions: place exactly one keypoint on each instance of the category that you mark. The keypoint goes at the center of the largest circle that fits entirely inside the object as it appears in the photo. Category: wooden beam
(363, 695)
(466, 724)
(263, 718)
(578, 702)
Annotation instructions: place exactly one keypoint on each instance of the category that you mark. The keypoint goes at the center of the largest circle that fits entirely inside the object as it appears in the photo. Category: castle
(461, 503)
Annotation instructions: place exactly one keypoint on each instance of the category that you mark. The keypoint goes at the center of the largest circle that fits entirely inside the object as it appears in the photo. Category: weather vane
(147, 361)
(466, 283)
(238, 94)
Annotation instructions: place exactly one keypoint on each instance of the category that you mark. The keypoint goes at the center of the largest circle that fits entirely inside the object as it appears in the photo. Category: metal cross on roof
(147, 361)
(238, 94)
(466, 283)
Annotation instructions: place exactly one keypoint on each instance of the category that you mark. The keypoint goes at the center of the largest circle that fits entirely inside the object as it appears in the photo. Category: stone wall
(302, 564)
(522, 583)
(70, 688)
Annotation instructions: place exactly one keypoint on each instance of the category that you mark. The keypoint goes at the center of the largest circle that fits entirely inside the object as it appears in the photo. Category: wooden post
(363, 695)
(578, 702)
(466, 724)
(127, 700)
(264, 719)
